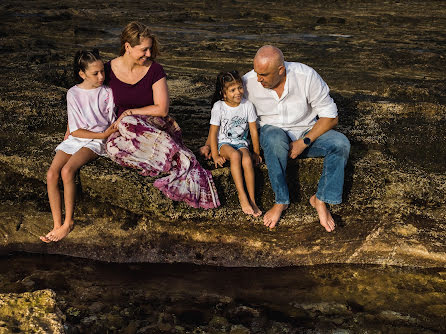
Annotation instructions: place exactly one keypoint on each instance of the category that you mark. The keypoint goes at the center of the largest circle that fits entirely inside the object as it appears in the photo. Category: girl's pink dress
(153, 145)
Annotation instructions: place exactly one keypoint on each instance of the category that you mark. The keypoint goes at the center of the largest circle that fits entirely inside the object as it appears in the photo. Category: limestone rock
(31, 312)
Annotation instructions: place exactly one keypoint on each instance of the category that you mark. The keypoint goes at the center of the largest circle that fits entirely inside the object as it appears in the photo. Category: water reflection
(300, 299)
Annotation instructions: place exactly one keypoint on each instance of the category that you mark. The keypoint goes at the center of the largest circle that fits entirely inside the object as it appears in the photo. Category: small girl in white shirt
(90, 109)
(231, 118)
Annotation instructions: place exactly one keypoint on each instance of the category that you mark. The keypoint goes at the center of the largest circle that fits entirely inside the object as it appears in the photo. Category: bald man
(296, 117)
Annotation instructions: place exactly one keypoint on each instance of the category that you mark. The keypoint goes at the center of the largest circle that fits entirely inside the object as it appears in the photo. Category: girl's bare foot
(246, 206)
(257, 211)
(325, 217)
(44, 238)
(61, 232)
(272, 216)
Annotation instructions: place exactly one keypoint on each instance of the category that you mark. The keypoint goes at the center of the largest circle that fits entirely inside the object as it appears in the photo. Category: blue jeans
(332, 145)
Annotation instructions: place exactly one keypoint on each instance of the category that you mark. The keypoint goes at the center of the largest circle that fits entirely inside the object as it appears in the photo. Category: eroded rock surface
(30, 312)
(384, 62)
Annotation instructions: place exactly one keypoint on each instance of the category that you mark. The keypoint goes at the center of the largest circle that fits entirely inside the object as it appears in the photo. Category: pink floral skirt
(153, 145)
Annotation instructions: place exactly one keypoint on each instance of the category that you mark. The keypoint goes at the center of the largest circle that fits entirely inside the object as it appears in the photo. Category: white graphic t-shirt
(233, 121)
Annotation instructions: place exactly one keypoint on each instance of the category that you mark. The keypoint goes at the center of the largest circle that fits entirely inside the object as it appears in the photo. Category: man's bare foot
(60, 233)
(257, 211)
(272, 216)
(325, 217)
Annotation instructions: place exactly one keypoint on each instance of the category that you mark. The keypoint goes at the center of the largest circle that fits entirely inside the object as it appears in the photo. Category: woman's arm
(255, 142)
(160, 105)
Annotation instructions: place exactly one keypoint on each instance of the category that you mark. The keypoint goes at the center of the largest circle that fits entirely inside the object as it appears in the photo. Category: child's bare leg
(248, 170)
(235, 159)
(68, 173)
(52, 177)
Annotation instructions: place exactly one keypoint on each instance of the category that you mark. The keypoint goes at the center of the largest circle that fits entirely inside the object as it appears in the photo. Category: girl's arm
(218, 159)
(160, 105)
(206, 149)
(82, 133)
(255, 142)
(67, 133)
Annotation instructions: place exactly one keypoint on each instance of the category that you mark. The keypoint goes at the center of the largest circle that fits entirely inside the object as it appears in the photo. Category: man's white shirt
(304, 97)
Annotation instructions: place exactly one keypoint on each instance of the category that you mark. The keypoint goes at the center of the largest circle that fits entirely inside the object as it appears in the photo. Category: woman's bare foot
(325, 217)
(272, 216)
(257, 211)
(60, 233)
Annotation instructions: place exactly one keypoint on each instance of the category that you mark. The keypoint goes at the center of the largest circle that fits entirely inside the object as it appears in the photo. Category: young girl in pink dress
(90, 109)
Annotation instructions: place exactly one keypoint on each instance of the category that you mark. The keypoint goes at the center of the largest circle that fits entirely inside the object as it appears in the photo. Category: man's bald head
(269, 54)
(269, 66)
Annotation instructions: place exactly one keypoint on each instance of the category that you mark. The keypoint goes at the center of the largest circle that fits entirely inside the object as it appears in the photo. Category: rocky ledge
(385, 75)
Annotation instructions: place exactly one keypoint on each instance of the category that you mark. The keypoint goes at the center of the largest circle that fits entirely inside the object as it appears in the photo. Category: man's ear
(281, 70)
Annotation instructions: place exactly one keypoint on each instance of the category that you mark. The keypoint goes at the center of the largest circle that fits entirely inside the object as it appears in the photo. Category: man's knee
(274, 139)
(343, 145)
(339, 144)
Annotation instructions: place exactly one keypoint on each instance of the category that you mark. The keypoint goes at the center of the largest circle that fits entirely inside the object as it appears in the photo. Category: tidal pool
(98, 297)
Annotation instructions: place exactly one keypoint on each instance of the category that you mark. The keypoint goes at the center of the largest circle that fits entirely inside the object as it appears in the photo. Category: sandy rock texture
(30, 312)
(383, 60)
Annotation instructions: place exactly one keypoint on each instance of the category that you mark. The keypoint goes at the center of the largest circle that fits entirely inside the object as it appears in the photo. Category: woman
(148, 139)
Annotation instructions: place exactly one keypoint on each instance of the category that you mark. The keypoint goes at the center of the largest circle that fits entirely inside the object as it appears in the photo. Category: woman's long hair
(133, 33)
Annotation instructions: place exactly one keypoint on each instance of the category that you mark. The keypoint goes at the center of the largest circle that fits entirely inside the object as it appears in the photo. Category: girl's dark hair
(222, 79)
(81, 61)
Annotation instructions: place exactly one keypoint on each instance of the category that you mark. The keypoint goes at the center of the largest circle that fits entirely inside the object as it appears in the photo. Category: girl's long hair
(82, 59)
(224, 78)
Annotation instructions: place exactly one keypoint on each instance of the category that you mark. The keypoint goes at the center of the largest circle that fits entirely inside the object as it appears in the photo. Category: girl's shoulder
(218, 105)
(246, 103)
(107, 89)
(72, 92)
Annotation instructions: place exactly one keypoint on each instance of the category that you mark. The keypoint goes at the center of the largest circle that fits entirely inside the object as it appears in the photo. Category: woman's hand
(128, 112)
(219, 161)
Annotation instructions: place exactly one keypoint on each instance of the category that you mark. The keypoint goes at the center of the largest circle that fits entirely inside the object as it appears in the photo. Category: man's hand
(296, 148)
(219, 161)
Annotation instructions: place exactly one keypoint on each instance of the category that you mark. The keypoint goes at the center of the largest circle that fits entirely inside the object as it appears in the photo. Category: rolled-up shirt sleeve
(319, 97)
